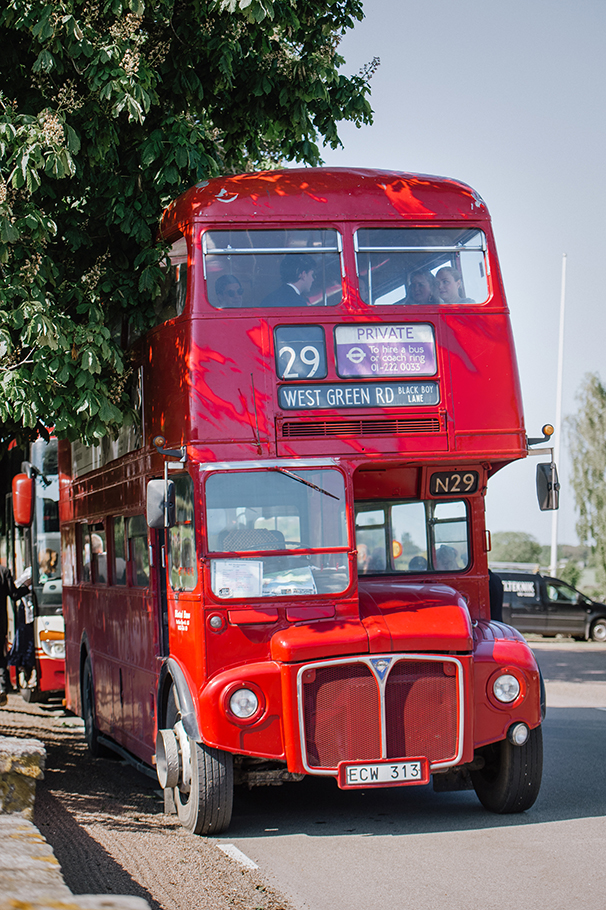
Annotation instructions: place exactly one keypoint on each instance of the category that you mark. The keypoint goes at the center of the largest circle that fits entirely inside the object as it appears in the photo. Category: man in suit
(297, 274)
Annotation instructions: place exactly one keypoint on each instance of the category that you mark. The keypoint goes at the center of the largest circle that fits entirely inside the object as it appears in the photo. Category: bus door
(181, 566)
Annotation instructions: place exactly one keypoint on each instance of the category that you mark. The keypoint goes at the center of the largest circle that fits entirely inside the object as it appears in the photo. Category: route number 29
(308, 355)
(451, 483)
(300, 352)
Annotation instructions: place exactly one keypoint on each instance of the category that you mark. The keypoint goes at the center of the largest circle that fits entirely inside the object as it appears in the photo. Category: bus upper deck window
(421, 265)
(261, 269)
(171, 300)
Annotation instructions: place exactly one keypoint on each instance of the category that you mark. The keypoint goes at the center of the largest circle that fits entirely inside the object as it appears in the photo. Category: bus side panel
(223, 405)
(483, 364)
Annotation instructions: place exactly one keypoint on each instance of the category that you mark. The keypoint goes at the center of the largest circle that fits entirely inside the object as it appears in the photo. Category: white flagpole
(553, 567)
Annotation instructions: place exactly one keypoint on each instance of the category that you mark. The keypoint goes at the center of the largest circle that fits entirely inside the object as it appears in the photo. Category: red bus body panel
(210, 385)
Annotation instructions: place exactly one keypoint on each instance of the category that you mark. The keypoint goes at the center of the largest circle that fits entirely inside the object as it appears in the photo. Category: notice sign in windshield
(385, 350)
(359, 395)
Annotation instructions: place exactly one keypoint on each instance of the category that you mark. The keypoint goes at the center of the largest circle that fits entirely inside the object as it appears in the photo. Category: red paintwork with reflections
(51, 673)
(209, 399)
(199, 370)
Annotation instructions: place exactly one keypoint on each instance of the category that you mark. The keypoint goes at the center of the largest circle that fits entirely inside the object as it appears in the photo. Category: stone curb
(30, 875)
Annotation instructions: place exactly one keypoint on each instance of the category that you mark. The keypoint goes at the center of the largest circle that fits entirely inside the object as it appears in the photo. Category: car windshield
(412, 537)
(280, 510)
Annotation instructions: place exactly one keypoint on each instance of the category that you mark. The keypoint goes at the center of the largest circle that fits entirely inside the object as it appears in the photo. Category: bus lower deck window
(412, 537)
(138, 552)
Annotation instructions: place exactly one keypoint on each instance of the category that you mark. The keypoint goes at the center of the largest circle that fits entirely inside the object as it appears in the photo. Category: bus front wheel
(511, 777)
(204, 795)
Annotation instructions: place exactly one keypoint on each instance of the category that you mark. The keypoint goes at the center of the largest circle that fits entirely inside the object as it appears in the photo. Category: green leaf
(44, 62)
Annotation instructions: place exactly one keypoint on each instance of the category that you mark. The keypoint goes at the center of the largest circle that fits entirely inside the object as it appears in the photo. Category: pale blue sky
(510, 98)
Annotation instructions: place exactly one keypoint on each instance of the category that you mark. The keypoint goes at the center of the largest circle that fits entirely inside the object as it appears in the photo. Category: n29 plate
(382, 773)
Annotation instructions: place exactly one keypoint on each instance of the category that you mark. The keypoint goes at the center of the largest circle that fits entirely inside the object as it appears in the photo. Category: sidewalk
(30, 876)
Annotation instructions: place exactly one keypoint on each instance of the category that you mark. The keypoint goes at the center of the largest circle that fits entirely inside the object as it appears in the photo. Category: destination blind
(359, 395)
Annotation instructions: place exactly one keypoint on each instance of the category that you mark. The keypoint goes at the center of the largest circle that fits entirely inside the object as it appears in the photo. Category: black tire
(206, 807)
(598, 630)
(511, 778)
(91, 733)
(31, 696)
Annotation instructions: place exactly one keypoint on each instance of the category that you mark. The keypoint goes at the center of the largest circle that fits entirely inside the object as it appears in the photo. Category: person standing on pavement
(7, 589)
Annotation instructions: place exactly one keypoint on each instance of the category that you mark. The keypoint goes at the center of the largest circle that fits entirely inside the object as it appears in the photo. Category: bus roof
(327, 194)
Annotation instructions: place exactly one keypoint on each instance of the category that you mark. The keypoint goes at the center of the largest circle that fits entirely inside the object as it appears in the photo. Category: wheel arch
(171, 674)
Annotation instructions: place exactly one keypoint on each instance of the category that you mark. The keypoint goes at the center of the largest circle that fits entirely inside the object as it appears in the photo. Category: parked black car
(548, 606)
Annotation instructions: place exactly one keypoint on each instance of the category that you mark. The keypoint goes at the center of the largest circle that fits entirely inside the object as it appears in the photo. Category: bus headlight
(506, 688)
(53, 644)
(244, 703)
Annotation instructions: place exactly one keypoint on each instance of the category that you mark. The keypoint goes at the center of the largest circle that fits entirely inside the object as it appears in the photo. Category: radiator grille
(302, 428)
(342, 712)
(342, 716)
(420, 710)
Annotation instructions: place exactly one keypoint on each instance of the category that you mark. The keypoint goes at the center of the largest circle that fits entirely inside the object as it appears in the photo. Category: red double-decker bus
(31, 550)
(284, 572)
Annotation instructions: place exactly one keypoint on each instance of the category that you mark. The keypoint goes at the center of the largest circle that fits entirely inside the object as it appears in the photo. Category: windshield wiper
(307, 483)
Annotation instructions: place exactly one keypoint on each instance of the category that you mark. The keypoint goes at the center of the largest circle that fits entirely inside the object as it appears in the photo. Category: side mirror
(161, 509)
(548, 487)
(23, 500)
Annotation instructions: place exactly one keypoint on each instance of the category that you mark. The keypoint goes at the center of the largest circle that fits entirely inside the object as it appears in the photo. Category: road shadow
(86, 866)
(572, 788)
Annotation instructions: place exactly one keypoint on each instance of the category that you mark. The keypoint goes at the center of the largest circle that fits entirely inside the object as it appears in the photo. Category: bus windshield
(412, 537)
(261, 268)
(421, 265)
(249, 511)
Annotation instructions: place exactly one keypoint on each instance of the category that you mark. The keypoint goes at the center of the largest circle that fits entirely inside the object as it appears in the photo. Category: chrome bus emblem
(381, 666)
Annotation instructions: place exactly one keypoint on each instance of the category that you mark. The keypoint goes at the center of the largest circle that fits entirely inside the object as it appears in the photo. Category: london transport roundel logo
(356, 355)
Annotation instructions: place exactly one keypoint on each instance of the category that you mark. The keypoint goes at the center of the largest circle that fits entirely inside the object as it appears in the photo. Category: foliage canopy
(109, 109)
(515, 546)
(587, 441)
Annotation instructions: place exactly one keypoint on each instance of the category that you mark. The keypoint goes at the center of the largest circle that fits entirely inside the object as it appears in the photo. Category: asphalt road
(320, 848)
(413, 848)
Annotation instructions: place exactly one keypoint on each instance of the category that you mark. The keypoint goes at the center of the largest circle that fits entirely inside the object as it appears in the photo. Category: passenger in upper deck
(229, 291)
(422, 287)
(450, 286)
(297, 273)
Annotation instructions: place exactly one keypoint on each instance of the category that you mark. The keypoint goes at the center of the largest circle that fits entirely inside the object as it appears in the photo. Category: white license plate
(383, 774)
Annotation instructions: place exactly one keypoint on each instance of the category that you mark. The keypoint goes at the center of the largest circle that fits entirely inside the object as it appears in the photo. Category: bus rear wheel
(204, 795)
(91, 732)
(511, 777)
